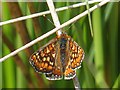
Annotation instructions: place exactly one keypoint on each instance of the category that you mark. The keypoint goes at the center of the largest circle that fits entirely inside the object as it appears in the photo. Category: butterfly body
(60, 57)
(63, 52)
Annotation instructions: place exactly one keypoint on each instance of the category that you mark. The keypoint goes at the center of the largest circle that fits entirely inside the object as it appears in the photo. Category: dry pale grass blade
(54, 30)
(45, 12)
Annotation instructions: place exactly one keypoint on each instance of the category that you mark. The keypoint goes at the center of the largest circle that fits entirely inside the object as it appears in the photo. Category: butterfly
(59, 58)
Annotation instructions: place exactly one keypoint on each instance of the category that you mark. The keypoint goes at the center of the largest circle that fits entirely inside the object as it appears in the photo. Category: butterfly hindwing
(69, 72)
(44, 59)
(55, 75)
(57, 71)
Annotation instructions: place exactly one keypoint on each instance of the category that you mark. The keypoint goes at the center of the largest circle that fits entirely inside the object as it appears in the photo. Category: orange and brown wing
(44, 59)
(57, 73)
(76, 54)
(69, 72)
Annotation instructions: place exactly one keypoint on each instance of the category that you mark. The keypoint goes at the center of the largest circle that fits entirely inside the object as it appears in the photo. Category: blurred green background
(100, 66)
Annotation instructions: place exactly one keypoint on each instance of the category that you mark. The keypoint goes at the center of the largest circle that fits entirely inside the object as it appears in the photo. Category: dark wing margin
(55, 75)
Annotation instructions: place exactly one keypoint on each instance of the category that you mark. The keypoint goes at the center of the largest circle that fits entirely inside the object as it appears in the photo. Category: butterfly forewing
(76, 55)
(44, 59)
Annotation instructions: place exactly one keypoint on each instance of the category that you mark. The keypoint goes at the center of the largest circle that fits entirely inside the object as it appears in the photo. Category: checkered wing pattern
(44, 60)
(76, 55)
(69, 72)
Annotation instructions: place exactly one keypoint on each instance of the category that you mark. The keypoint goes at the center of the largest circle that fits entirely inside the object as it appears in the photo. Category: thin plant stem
(89, 18)
(20, 26)
(76, 83)
(57, 24)
(54, 30)
(45, 12)
(36, 24)
(54, 15)
(19, 62)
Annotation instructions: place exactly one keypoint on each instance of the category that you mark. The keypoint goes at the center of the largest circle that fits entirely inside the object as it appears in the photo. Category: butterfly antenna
(48, 20)
(70, 26)
(54, 25)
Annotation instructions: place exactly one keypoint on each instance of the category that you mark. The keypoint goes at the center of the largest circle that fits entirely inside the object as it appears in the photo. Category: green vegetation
(100, 66)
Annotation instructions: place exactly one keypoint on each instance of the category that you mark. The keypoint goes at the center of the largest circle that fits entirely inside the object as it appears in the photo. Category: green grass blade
(98, 46)
(89, 79)
(113, 42)
(108, 10)
(89, 18)
(116, 83)
(8, 67)
(1, 79)
(21, 82)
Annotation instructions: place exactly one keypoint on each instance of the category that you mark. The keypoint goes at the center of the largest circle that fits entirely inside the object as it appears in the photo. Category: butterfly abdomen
(63, 43)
